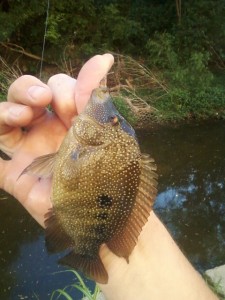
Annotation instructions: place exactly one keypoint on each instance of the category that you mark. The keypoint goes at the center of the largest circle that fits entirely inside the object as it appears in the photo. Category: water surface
(191, 196)
(191, 202)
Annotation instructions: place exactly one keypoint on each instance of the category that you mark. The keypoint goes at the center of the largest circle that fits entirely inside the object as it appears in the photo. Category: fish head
(101, 111)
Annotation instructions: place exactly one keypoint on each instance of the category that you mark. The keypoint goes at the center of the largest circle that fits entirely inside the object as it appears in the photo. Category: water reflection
(191, 198)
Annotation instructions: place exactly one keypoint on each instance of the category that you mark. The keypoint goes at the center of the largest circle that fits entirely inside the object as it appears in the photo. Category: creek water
(190, 202)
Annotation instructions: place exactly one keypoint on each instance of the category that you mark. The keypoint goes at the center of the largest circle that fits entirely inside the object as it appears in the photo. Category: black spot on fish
(104, 201)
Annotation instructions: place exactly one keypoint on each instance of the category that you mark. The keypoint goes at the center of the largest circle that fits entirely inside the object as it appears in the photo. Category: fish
(103, 188)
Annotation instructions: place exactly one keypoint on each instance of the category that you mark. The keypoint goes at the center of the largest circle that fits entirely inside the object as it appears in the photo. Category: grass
(66, 292)
(124, 109)
(7, 76)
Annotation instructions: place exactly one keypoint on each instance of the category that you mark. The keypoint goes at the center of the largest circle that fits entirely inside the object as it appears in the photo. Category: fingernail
(36, 91)
(15, 111)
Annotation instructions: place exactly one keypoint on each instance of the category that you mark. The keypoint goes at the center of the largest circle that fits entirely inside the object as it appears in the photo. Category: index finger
(30, 91)
(27, 96)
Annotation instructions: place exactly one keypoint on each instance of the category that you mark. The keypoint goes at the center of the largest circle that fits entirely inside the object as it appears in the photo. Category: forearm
(157, 270)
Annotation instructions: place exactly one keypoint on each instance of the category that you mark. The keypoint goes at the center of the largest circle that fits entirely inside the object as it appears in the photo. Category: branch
(19, 49)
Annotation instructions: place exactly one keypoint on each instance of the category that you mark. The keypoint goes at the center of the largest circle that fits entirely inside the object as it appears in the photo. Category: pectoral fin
(41, 166)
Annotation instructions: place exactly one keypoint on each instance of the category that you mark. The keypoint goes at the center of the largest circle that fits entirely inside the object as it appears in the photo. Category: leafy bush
(193, 91)
(181, 104)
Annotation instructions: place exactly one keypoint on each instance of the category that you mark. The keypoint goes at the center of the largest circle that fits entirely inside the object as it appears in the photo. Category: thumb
(89, 78)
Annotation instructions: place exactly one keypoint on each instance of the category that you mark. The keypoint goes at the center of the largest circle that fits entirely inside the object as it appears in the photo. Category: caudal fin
(92, 267)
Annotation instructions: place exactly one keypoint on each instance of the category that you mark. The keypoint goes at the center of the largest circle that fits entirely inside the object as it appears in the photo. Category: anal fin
(56, 238)
(92, 267)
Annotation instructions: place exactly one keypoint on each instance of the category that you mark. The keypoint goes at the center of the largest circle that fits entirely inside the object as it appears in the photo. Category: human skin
(157, 268)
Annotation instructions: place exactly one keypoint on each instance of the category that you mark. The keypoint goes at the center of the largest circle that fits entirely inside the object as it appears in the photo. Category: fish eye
(114, 120)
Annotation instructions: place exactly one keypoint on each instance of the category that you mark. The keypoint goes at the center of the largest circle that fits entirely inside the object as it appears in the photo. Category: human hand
(28, 129)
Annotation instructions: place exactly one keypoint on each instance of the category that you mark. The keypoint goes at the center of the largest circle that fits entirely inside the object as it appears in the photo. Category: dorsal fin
(41, 166)
(123, 243)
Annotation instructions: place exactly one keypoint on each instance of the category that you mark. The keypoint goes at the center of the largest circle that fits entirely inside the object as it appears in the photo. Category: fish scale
(103, 188)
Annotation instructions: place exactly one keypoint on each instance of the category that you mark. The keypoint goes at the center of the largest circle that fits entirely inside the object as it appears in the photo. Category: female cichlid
(103, 188)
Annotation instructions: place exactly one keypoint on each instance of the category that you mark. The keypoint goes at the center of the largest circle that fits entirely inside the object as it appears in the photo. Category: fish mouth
(100, 94)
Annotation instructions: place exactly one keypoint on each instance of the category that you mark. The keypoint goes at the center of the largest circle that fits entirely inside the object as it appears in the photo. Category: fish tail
(91, 266)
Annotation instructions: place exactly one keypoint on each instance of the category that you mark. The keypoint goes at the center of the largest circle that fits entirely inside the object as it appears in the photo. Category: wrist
(157, 269)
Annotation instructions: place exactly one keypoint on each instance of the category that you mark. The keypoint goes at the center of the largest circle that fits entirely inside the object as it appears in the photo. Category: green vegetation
(181, 42)
(67, 292)
(193, 89)
(124, 109)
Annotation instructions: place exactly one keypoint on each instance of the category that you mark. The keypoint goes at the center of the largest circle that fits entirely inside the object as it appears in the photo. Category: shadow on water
(191, 192)
(191, 202)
